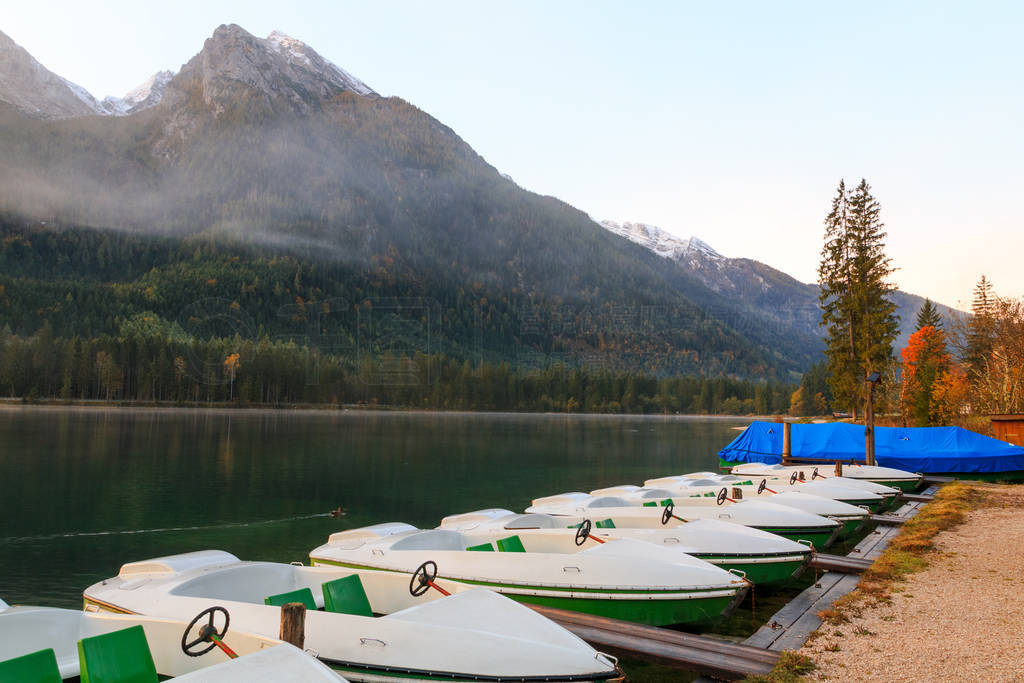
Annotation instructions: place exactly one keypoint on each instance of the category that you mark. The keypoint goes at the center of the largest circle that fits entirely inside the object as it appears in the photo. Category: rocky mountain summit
(36, 91)
(144, 96)
(273, 73)
(277, 74)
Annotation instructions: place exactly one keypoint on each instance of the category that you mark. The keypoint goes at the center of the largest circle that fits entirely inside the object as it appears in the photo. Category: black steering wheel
(792, 478)
(583, 533)
(762, 486)
(422, 578)
(815, 475)
(206, 631)
(667, 514)
(722, 495)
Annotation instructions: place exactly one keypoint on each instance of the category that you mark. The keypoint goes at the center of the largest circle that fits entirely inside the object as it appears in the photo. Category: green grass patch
(790, 667)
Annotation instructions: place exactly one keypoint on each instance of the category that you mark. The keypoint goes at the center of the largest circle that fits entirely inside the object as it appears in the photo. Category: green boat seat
(651, 504)
(117, 657)
(605, 524)
(665, 503)
(303, 595)
(347, 596)
(512, 544)
(482, 548)
(36, 667)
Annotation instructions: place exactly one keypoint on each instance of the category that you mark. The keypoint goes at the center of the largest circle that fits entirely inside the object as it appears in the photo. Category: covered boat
(618, 512)
(949, 451)
(763, 558)
(37, 643)
(471, 635)
(627, 580)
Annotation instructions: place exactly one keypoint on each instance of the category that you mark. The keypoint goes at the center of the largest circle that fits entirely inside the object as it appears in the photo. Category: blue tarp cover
(920, 449)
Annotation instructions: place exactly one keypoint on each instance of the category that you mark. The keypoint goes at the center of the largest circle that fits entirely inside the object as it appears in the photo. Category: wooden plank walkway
(716, 657)
(789, 628)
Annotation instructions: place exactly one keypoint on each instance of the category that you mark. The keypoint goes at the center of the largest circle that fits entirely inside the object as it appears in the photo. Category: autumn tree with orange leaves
(231, 365)
(925, 360)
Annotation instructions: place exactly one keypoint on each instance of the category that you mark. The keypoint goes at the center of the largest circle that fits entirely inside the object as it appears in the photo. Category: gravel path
(961, 619)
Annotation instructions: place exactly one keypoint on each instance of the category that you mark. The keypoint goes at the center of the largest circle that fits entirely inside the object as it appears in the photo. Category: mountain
(36, 91)
(266, 177)
(754, 285)
(144, 96)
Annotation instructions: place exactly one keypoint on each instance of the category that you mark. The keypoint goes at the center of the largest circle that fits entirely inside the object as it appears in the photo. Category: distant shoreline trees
(857, 313)
(232, 371)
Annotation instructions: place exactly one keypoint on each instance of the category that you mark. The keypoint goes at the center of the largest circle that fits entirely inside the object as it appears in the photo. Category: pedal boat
(42, 643)
(764, 559)
(634, 582)
(707, 492)
(471, 635)
(618, 512)
(832, 489)
(887, 476)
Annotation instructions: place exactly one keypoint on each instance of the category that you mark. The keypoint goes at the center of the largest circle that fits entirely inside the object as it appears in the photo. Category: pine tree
(981, 327)
(860, 319)
(928, 316)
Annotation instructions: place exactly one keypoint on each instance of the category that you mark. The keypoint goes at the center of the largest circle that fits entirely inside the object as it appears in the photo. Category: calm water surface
(83, 491)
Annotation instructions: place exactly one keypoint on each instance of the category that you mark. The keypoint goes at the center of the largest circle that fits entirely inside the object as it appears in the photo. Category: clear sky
(732, 121)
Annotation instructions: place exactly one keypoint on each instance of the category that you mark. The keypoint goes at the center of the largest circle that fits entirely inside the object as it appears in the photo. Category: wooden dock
(716, 657)
(789, 628)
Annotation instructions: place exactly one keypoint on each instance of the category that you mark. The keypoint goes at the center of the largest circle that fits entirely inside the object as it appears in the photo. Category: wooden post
(293, 624)
(869, 427)
(787, 443)
(839, 468)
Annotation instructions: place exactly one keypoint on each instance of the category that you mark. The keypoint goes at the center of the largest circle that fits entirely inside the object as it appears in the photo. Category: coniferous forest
(111, 316)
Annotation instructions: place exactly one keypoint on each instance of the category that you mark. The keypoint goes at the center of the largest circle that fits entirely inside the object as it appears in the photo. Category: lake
(85, 490)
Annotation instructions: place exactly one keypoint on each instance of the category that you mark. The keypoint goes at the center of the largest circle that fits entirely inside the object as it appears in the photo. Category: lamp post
(869, 419)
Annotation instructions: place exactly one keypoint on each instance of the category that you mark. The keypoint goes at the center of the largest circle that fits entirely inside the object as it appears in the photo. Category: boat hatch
(656, 493)
(533, 521)
(608, 502)
(356, 537)
(175, 564)
(433, 539)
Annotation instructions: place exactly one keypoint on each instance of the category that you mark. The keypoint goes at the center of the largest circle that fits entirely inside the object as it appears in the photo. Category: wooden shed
(1009, 428)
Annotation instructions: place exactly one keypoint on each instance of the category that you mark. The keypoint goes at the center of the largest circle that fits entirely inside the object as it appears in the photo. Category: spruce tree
(928, 316)
(860, 319)
(981, 328)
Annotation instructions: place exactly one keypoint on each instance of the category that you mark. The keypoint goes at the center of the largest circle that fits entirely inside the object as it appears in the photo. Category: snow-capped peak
(296, 51)
(143, 96)
(661, 242)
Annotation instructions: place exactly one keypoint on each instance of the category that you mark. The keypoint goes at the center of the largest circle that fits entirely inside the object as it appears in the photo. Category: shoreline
(947, 621)
(11, 404)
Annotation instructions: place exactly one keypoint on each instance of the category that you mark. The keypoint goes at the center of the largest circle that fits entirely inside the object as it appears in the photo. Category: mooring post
(839, 468)
(787, 436)
(293, 624)
(869, 419)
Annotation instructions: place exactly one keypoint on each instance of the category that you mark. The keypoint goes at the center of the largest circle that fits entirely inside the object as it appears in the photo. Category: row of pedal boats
(391, 602)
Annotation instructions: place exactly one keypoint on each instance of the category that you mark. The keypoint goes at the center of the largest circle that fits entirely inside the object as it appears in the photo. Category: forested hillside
(266, 199)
